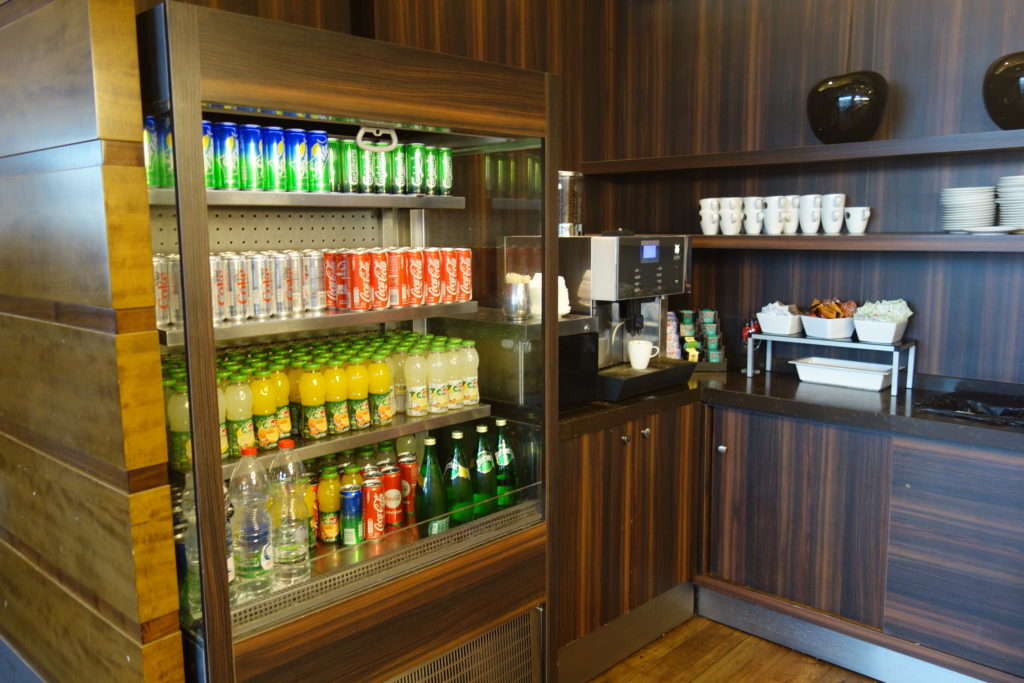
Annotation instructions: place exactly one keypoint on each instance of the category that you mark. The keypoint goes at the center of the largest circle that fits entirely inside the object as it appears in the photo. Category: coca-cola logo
(393, 498)
(378, 519)
(363, 271)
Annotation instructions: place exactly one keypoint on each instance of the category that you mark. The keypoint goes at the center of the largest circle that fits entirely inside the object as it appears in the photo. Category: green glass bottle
(458, 484)
(507, 474)
(485, 477)
(431, 497)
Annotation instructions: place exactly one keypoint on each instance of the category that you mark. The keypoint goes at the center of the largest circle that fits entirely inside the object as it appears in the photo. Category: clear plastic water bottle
(250, 528)
(191, 597)
(291, 519)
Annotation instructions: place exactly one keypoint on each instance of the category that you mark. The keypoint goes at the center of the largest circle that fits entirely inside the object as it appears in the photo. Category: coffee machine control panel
(631, 267)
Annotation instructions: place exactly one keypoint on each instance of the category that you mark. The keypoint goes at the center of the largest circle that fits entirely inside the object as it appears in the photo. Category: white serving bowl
(779, 324)
(844, 373)
(877, 332)
(827, 328)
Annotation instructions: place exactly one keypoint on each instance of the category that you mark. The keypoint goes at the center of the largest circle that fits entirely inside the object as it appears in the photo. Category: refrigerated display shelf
(175, 335)
(165, 196)
(403, 425)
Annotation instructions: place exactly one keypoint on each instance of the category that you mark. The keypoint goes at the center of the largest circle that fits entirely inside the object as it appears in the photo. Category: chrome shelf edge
(175, 336)
(845, 343)
(164, 196)
(402, 426)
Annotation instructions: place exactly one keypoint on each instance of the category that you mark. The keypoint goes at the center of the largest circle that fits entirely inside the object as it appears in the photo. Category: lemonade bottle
(398, 376)
(336, 396)
(416, 383)
(358, 393)
(314, 412)
(382, 404)
(222, 425)
(470, 372)
(179, 429)
(264, 410)
(294, 399)
(437, 379)
(455, 377)
(238, 415)
(328, 498)
(282, 387)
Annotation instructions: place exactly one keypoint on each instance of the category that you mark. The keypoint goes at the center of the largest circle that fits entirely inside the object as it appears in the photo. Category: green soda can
(317, 161)
(414, 158)
(398, 171)
(250, 157)
(380, 170)
(149, 149)
(165, 152)
(209, 167)
(225, 155)
(431, 172)
(367, 169)
(349, 176)
(444, 160)
(334, 163)
(296, 159)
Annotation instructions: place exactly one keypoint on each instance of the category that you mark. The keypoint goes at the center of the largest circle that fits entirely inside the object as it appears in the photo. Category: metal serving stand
(895, 349)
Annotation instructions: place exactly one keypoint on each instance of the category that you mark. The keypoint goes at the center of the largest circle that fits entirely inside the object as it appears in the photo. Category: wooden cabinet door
(798, 509)
(590, 534)
(955, 578)
(662, 532)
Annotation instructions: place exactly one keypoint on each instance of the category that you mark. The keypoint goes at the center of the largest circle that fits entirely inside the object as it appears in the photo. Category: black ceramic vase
(1003, 90)
(847, 108)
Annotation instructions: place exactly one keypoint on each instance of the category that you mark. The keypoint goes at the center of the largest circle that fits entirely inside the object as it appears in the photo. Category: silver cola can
(161, 290)
(281, 274)
(218, 289)
(238, 286)
(175, 311)
(261, 285)
(314, 290)
(295, 272)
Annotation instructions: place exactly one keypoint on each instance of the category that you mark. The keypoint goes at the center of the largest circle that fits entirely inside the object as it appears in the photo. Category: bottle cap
(286, 443)
(481, 428)
(429, 441)
(312, 367)
(457, 434)
(277, 366)
(178, 388)
(239, 377)
(249, 450)
(500, 422)
(261, 373)
(469, 342)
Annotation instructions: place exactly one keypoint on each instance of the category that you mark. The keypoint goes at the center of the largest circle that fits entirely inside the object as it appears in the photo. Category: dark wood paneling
(423, 614)
(882, 242)
(330, 15)
(798, 510)
(955, 579)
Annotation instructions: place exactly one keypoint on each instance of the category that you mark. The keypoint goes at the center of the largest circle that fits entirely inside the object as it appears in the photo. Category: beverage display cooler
(348, 475)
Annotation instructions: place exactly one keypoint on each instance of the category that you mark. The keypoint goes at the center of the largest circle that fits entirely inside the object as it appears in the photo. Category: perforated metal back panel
(509, 653)
(243, 229)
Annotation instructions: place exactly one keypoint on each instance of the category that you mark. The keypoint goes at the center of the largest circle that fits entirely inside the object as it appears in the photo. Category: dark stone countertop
(784, 394)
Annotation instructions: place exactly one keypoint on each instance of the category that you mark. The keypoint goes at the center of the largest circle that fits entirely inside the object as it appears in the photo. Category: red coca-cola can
(398, 286)
(410, 480)
(330, 270)
(341, 280)
(360, 296)
(394, 512)
(373, 508)
(378, 279)
(433, 283)
(415, 276)
(465, 269)
(449, 275)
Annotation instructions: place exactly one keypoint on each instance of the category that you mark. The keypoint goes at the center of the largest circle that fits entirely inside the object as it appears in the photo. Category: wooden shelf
(965, 143)
(925, 241)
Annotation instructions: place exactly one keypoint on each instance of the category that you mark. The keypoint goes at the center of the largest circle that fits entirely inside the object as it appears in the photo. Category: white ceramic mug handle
(815, 216)
(654, 351)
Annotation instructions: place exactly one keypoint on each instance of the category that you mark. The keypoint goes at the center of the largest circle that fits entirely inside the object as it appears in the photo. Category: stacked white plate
(964, 208)
(1010, 197)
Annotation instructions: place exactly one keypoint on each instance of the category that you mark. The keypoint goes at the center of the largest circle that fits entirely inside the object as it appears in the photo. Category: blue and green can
(150, 143)
(318, 162)
(275, 176)
(209, 170)
(296, 159)
(225, 155)
(165, 152)
(250, 157)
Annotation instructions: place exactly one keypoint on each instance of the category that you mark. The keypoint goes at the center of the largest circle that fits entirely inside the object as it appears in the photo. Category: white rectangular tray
(844, 373)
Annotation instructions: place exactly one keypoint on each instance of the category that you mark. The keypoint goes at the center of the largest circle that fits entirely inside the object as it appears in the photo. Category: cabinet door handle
(722, 449)
(645, 432)
(626, 438)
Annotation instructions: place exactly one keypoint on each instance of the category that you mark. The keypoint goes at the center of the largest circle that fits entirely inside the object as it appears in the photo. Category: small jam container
(711, 341)
(708, 315)
(687, 329)
(687, 317)
(711, 329)
(715, 356)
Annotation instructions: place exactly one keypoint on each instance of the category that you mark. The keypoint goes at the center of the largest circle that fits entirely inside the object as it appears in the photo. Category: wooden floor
(703, 650)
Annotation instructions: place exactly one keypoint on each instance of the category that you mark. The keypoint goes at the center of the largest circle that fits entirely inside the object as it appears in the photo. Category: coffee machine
(624, 281)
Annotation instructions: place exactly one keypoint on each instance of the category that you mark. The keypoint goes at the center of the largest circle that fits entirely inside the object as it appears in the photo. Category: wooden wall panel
(152, 542)
(140, 393)
(115, 69)
(129, 243)
(330, 15)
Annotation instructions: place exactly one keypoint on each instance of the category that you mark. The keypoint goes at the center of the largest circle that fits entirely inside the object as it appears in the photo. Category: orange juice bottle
(314, 412)
(382, 401)
(358, 393)
(328, 496)
(352, 475)
(279, 379)
(294, 399)
(264, 410)
(336, 395)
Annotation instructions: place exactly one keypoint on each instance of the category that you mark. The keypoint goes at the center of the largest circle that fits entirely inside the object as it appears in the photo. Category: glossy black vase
(1003, 90)
(847, 108)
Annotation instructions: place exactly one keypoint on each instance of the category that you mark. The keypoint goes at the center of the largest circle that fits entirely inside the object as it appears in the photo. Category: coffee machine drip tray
(619, 382)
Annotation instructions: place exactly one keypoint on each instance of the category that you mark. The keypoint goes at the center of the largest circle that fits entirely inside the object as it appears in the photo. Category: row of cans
(259, 285)
(252, 157)
(386, 498)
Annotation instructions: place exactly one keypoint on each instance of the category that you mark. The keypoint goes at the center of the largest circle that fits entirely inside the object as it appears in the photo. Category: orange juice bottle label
(382, 408)
(359, 413)
(267, 433)
(240, 435)
(337, 417)
(284, 420)
(314, 422)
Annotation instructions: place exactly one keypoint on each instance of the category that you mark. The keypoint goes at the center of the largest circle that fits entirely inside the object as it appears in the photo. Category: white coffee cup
(776, 203)
(709, 222)
(857, 219)
(730, 204)
(752, 222)
(729, 221)
(789, 222)
(773, 221)
(809, 220)
(833, 201)
(709, 204)
(751, 205)
(794, 202)
(641, 352)
(832, 221)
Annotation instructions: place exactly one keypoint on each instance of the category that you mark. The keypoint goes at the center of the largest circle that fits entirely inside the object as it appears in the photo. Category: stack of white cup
(781, 215)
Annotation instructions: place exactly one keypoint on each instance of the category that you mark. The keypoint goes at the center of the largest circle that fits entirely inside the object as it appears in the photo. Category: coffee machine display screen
(648, 252)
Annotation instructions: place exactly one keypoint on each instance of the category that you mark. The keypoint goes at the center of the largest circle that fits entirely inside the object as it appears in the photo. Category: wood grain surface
(129, 243)
(330, 15)
(152, 549)
(955, 579)
(798, 510)
(428, 613)
(140, 397)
